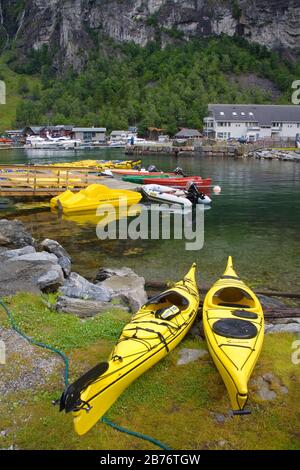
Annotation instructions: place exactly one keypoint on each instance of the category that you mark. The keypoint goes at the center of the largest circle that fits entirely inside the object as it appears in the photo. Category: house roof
(89, 129)
(118, 132)
(35, 129)
(263, 114)
(188, 133)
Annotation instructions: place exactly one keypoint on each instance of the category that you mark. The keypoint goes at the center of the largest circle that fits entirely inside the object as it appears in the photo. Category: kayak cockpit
(233, 297)
(167, 305)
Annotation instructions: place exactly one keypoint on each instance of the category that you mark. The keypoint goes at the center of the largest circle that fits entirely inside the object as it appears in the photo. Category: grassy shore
(179, 405)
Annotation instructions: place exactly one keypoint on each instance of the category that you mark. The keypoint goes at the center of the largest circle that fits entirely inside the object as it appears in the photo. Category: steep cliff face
(71, 27)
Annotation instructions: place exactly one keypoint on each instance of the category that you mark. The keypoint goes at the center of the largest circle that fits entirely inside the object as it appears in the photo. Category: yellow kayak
(156, 329)
(92, 197)
(233, 322)
(112, 164)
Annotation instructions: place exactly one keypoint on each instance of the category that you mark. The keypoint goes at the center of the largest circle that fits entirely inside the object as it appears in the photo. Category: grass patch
(62, 330)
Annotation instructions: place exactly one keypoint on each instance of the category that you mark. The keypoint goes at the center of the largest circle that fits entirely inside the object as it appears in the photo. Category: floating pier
(48, 181)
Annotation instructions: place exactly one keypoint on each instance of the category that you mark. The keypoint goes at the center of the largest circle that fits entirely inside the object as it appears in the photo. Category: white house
(252, 121)
(89, 134)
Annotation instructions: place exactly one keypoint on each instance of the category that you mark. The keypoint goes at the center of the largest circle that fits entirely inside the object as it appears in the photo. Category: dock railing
(39, 180)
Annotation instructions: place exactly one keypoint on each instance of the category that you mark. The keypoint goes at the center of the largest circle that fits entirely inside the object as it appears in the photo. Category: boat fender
(167, 313)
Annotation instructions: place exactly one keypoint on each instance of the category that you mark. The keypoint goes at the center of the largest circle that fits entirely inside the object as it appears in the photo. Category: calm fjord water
(256, 219)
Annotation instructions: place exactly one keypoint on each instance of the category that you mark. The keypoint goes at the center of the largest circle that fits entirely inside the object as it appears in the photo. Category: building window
(277, 124)
(220, 135)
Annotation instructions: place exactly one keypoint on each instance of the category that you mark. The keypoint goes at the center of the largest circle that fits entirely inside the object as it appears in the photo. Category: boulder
(14, 235)
(13, 254)
(52, 246)
(81, 308)
(124, 284)
(31, 272)
(77, 287)
(52, 280)
(283, 328)
(64, 259)
(190, 355)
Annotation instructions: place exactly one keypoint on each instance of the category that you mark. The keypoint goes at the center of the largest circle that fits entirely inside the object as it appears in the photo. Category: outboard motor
(196, 196)
(179, 171)
(152, 169)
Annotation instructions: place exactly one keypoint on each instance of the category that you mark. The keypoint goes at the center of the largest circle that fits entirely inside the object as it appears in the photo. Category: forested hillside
(150, 86)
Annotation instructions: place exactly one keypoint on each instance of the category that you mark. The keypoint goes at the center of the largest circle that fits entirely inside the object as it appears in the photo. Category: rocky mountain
(70, 28)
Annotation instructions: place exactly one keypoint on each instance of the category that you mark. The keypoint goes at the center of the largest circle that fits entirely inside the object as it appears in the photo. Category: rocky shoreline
(273, 154)
(45, 267)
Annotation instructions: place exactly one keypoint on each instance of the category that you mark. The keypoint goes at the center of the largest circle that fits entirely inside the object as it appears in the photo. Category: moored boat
(166, 194)
(156, 329)
(179, 182)
(92, 197)
(233, 323)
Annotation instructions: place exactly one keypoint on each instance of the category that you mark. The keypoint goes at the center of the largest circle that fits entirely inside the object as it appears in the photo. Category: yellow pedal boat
(233, 323)
(156, 329)
(92, 197)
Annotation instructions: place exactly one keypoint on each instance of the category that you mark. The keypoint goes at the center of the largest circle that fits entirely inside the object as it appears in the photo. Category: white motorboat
(168, 195)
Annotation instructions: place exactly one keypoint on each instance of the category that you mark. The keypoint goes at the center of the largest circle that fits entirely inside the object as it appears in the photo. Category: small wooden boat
(156, 329)
(233, 323)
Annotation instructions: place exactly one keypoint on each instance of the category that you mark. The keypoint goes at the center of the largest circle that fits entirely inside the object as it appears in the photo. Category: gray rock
(262, 389)
(52, 246)
(79, 307)
(268, 386)
(40, 257)
(29, 273)
(190, 355)
(78, 287)
(52, 280)
(125, 284)
(12, 254)
(65, 264)
(106, 273)
(14, 235)
(283, 328)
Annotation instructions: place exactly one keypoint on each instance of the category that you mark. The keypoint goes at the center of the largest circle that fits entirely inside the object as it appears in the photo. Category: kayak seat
(235, 328)
(244, 314)
(169, 298)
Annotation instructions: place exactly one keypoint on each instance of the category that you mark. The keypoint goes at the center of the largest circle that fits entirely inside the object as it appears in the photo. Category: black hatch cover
(235, 328)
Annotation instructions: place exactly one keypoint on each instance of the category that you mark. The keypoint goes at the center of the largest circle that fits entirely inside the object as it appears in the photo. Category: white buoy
(217, 189)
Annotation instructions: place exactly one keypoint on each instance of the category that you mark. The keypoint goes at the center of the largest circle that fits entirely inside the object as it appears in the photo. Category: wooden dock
(48, 181)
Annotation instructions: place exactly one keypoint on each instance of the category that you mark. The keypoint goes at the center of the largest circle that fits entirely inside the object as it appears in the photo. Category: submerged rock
(14, 235)
(190, 355)
(124, 284)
